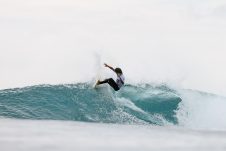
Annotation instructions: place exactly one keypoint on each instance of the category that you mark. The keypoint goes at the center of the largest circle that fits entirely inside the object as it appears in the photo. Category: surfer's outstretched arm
(106, 65)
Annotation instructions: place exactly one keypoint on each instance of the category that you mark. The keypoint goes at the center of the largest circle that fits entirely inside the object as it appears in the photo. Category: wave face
(142, 104)
(133, 104)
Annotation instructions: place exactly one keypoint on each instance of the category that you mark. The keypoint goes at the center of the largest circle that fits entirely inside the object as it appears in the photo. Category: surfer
(119, 81)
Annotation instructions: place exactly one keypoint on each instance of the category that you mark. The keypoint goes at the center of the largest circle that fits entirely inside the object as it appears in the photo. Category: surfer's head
(118, 70)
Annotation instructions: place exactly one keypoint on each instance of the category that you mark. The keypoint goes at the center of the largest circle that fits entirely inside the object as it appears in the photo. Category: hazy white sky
(180, 42)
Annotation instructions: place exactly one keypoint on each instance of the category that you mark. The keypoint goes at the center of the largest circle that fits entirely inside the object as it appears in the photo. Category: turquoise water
(140, 104)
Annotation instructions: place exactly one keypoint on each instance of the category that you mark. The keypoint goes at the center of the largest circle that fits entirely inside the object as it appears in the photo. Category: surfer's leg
(102, 82)
(113, 84)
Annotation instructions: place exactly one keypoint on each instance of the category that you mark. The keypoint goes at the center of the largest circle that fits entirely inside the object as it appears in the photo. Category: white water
(54, 41)
(202, 111)
(60, 136)
(178, 42)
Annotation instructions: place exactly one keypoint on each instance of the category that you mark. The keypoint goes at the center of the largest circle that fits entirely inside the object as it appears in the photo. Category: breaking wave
(133, 104)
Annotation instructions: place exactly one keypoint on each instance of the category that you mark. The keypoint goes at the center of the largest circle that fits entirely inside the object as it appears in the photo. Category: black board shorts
(112, 83)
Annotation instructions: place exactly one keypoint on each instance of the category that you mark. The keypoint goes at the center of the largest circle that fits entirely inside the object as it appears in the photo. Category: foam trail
(128, 103)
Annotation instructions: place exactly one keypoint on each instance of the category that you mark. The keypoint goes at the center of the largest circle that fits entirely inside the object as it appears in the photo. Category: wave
(133, 104)
(80, 102)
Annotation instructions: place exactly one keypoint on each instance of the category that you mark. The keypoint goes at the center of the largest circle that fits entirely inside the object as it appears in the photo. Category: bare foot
(98, 82)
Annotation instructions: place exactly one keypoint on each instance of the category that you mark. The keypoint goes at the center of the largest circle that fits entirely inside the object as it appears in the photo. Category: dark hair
(118, 70)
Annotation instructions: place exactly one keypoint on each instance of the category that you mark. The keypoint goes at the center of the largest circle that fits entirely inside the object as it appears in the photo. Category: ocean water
(81, 102)
(138, 117)
(179, 42)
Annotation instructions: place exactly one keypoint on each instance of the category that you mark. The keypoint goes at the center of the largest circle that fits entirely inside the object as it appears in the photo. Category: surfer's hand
(106, 65)
(109, 67)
